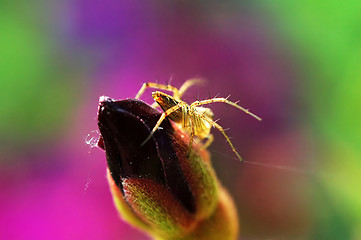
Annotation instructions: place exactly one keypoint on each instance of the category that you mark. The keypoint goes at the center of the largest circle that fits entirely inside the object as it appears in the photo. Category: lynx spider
(194, 119)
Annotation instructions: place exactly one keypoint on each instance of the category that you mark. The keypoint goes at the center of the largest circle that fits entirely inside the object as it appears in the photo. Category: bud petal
(124, 125)
(160, 186)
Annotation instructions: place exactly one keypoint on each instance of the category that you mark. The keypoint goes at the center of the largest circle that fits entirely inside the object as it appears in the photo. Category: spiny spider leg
(157, 86)
(177, 93)
(216, 125)
(224, 100)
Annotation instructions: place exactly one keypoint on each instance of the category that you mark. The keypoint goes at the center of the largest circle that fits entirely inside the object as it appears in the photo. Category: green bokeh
(328, 36)
(36, 83)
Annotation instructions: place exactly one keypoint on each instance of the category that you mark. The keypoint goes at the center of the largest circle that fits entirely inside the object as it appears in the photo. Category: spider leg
(157, 86)
(188, 120)
(161, 119)
(191, 138)
(187, 84)
(209, 141)
(154, 105)
(224, 100)
(216, 125)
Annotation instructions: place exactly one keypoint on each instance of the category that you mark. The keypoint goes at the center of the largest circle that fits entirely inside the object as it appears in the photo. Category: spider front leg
(161, 119)
(157, 86)
(216, 125)
(224, 100)
(187, 84)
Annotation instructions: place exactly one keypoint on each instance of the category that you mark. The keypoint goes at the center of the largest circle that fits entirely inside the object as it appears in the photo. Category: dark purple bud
(124, 125)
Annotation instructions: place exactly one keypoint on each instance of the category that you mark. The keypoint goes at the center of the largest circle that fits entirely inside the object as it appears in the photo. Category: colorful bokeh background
(294, 63)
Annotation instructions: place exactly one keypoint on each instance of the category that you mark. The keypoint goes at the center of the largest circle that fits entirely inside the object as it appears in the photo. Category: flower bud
(161, 186)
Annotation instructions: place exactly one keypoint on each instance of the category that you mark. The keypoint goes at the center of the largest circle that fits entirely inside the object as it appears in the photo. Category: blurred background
(294, 63)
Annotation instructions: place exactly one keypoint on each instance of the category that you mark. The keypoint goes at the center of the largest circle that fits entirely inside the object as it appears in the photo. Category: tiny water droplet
(92, 138)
